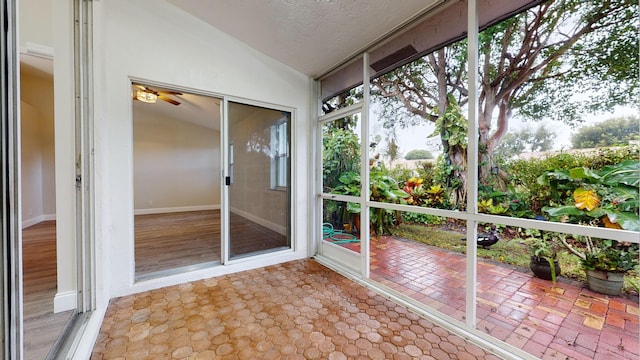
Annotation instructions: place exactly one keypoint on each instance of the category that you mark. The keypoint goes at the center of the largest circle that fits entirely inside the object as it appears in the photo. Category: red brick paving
(561, 321)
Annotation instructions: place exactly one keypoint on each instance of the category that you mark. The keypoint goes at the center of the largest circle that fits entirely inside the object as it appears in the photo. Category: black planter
(541, 268)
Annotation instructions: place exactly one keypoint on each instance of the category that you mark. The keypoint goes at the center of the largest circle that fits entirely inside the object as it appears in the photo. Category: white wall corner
(176, 209)
(38, 219)
(64, 301)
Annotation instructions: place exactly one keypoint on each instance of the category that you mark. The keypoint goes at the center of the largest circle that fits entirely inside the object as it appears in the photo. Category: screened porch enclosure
(464, 177)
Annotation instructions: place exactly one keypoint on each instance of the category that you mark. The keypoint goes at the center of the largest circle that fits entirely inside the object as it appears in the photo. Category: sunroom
(254, 134)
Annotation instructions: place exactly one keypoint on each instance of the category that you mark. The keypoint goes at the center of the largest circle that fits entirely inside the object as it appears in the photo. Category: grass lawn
(508, 250)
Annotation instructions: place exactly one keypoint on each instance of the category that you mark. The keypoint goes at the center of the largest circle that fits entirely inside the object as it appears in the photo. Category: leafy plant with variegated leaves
(609, 196)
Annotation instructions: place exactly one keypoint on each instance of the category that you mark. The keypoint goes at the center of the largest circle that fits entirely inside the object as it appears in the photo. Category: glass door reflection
(259, 179)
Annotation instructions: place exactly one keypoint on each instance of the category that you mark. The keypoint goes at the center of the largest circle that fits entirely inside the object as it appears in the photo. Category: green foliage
(606, 255)
(392, 150)
(524, 174)
(533, 64)
(418, 218)
(451, 126)
(340, 153)
(420, 195)
(610, 255)
(418, 154)
(612, 132)
(488, 207)
(347, 98)
(608, 196)
(525, 140)
(383, 188)
(544, 245)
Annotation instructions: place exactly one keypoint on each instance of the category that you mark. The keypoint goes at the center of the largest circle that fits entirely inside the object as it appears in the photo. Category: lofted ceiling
(197, 109)
(310, 36)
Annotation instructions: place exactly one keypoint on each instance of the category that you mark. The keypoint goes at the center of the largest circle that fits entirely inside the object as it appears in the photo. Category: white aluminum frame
(471, 216)
(11, 242)
(225, 210)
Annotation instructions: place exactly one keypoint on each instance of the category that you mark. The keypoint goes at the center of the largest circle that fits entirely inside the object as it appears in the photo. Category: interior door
(257, 179)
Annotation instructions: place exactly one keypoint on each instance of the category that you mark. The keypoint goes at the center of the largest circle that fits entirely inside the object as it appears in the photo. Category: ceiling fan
(148, 95)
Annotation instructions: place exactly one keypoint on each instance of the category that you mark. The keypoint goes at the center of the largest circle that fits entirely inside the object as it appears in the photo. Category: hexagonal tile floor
(295, 310)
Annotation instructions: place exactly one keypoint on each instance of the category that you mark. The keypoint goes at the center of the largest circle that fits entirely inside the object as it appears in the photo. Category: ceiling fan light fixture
(146, 97)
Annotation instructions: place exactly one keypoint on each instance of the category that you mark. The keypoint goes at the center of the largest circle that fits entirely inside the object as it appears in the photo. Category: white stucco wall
(154, 41)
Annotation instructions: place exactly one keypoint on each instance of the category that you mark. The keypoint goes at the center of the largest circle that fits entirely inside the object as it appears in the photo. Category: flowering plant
(608, 196)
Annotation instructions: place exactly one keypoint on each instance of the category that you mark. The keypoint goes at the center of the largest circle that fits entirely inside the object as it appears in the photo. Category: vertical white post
(364, 210)
(315, 172)
(224, 212)
(10, 223)
(472, 161)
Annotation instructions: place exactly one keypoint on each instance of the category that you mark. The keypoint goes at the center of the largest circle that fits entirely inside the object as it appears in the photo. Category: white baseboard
(175, 209)
(64, 301)
(38, 219)
(280, 229)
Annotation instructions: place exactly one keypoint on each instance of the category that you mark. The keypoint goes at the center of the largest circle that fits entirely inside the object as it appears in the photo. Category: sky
(417, 137)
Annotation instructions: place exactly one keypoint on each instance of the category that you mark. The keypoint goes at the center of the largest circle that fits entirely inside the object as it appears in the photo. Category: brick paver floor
(561, 321)
(295, 310)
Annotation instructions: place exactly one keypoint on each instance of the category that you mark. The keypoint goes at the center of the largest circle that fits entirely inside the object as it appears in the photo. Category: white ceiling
(310, 36)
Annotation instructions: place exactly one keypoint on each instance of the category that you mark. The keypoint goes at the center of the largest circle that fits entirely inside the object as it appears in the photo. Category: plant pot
(605, 282)
(541, 269)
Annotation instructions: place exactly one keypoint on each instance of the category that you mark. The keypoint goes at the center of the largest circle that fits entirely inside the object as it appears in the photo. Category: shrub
(418, 155)
(523, 174)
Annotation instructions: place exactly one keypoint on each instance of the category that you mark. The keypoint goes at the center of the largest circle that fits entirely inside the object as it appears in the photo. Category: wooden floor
(41, 326)
(163, 242)
(175, 240)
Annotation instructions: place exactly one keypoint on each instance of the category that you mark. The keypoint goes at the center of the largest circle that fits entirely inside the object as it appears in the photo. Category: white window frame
(279, 154)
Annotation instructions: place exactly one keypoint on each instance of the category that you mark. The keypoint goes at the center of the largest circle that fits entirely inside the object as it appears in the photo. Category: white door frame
(11, 242)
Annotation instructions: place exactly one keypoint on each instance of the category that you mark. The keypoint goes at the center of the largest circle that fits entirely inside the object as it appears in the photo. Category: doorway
(176, 146)
(184, 218)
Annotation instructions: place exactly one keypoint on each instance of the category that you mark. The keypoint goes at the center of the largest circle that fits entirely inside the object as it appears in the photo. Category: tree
(392, 150)
(418, 154)
(525, 140)
(533, 64)
(611, 132)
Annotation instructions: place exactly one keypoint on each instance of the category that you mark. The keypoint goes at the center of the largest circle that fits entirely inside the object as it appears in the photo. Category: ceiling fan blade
(166, 92)
(171, 101)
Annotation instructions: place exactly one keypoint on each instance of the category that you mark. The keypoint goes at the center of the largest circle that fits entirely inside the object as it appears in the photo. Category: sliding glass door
(10, 316)
(258, 180)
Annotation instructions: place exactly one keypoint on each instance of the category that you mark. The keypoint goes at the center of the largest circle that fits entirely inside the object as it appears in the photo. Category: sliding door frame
(11, 250)
(225, 198)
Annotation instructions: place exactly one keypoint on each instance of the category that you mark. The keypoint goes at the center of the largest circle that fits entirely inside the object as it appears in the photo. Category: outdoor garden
(527, 76)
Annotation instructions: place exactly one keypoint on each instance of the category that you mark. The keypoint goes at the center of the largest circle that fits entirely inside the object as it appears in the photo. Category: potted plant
(607, 197)
(383, 188)
(544, 253)
(605, 262)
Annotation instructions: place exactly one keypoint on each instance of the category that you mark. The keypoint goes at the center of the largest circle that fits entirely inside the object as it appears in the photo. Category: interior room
(176, 146)
(188, 179)
(42, 324)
